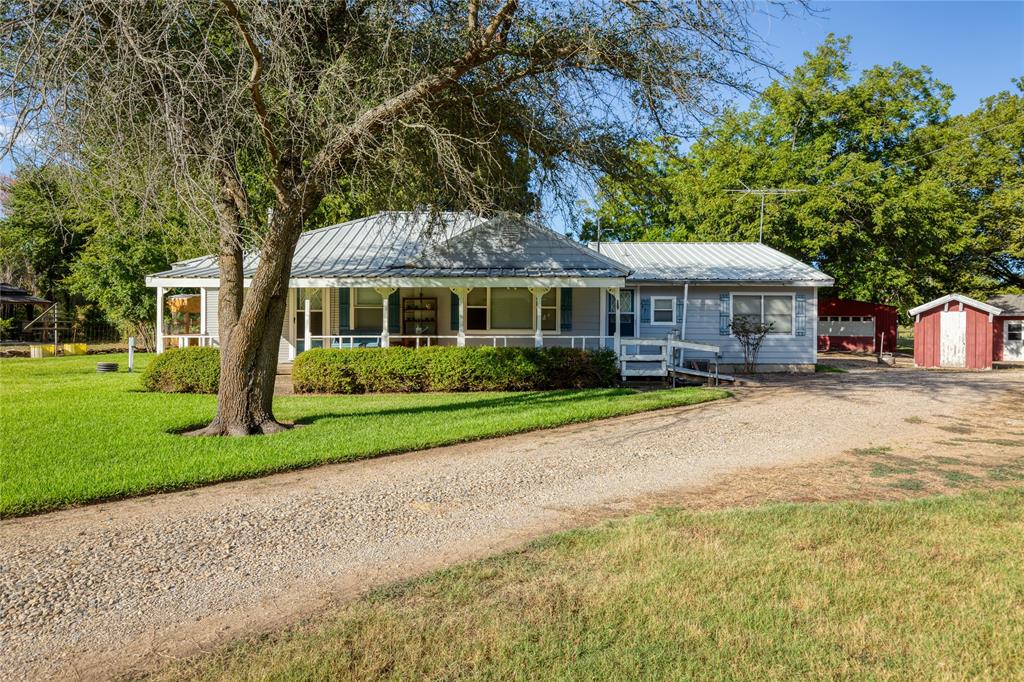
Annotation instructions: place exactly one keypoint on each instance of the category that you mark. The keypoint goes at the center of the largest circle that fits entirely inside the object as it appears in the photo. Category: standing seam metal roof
(710, 262)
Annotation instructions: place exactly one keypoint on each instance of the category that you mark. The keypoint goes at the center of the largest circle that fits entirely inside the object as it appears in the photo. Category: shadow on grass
(528, 400)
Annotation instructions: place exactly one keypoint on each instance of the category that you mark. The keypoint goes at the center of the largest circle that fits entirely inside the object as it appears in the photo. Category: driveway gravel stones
(111, 588)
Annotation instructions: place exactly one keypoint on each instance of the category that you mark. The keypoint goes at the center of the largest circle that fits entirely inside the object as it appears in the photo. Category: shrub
(184, 370)
(448, 368)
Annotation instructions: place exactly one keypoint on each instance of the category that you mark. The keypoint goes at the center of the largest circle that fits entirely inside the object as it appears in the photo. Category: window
(1015, 331)
(774, 309)
(476, 309)
(367, 310)
(549, 311)
(511, 309)
(663, 310)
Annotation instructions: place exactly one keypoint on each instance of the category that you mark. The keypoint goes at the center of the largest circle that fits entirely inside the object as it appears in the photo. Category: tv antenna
(764, 192)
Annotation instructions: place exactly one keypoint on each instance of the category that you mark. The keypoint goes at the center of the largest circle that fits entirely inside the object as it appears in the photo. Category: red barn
(856, 325)
(955, 331)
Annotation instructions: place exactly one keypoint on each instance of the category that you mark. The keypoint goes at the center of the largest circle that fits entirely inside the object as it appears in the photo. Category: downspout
(682, 324)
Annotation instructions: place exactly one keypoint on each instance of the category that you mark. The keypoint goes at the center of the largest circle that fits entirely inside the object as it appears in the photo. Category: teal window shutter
(723, 315)
(455, 312)
(344, 295)
(801, 315)
(566, 309)
(679, 311)
(645, 310)
(395, 313)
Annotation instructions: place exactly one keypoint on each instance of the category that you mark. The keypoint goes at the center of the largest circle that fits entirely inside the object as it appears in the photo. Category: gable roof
(732, 262)
(16, 296)
(960, 298)
(1010, 304)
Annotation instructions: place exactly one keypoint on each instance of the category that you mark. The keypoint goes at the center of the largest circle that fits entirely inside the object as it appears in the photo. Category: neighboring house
(861, 326)
(961, 332)
(457, 279)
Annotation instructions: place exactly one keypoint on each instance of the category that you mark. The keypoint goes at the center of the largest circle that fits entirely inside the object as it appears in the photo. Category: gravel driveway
(114, 587)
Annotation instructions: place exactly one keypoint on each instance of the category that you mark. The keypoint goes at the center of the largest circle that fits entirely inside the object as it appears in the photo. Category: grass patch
(957, 477)
(911, 484)
(913, 420)
(1007, 472)
(69, 435)
(926, 589)
(872, 452)
(880, 469)
(821, 368)
(956, 428)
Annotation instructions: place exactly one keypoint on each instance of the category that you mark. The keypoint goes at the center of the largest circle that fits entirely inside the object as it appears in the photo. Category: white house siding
(702, 324)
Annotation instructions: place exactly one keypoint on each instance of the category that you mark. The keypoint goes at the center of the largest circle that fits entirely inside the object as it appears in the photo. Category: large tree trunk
(250, 328)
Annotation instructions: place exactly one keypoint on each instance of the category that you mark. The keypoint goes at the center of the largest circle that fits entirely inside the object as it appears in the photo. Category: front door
(316, 318)
(627, 314)
(1013, 340)
(953, 338)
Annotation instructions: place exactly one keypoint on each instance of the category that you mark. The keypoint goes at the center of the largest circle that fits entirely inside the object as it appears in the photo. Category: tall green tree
(313, 94)
(895, 198)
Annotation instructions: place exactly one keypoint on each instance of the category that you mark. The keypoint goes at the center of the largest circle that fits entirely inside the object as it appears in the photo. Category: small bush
(448, 368)
(184, 370)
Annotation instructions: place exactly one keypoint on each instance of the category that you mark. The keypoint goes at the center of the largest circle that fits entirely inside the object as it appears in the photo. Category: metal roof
(420, 244)
(710, 262)
(1010, 304)
(949, 298)
(13, 295)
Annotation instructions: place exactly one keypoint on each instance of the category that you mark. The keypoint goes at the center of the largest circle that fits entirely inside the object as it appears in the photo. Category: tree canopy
(895, 198)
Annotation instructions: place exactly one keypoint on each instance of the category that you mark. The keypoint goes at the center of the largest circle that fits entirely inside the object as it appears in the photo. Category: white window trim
(352, 305)
(495, 331)
(762, 294)
(672, 308)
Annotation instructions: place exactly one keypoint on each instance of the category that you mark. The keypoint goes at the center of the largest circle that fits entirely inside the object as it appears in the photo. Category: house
(959, 331)
(860, 326)
(19, 306)
(458, 279)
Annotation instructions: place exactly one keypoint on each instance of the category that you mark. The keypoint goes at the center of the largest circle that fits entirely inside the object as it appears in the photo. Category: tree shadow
(526, 400)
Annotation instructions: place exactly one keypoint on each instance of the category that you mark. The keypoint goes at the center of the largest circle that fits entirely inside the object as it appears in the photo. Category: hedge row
(184, 370)
(447, 368)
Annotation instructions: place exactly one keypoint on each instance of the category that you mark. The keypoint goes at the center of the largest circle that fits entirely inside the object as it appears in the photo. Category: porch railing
(495, 340)
(185, 340)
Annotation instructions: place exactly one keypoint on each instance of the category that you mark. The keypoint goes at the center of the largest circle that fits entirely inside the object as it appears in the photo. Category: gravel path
(113, 587)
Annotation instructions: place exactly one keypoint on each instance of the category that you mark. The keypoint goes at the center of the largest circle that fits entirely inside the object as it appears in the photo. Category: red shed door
(1013, 340)
(953, 338)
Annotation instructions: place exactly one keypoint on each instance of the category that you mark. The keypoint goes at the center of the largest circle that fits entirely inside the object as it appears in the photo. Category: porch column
(538, 314)
(614, 292)
(462, 292)
(385, 293)
(202, 314)
(159, 319)
(308, 341)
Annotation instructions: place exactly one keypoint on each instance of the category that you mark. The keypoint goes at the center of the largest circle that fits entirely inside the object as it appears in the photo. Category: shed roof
(13, 295)
(420, 244)
(1010, 304)
(960, 298)
(744, 262)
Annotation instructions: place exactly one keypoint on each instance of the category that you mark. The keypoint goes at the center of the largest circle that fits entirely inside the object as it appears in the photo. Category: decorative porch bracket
(462, 293)
(385, 295)
(538, 313)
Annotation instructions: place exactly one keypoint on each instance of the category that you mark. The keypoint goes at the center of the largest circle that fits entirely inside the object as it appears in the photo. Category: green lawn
(69, 435)
(928, 589)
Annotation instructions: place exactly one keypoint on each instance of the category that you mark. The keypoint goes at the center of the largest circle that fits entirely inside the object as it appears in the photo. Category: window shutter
(395, 313)
(566, 309)
(679, 311)
(344, 295)
(645, 310)
(455, 312)
(801, 315)
(723, 315)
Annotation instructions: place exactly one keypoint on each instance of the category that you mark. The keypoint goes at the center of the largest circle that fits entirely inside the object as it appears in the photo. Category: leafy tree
(232, 102)
(897, 200)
